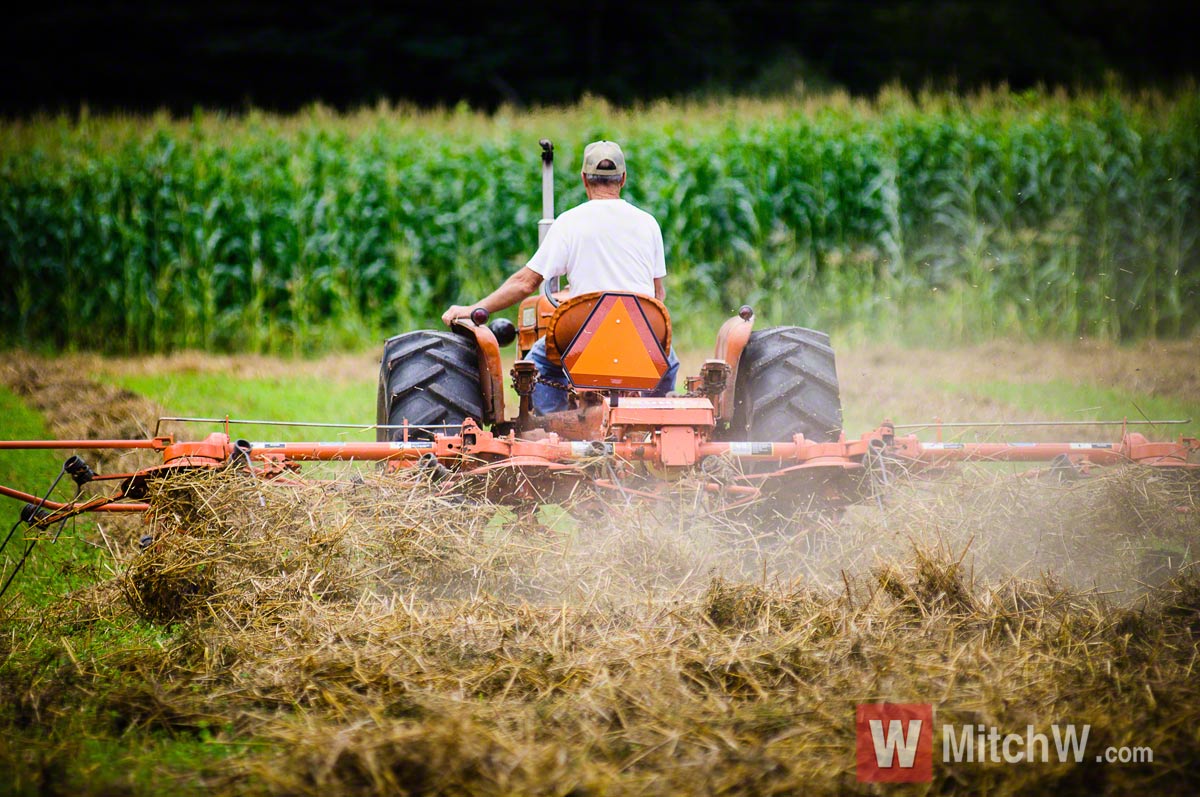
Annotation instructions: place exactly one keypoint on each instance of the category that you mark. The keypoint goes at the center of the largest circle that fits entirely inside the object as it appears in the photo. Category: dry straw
(387, 639)
(365, 634)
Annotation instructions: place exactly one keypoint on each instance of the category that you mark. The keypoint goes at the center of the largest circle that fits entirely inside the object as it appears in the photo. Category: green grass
(212, 395)
(86, 749)
(312, 399)
(18, 422)
(74, 746)
(1049, 400)
(51, 568)
(1061, 400)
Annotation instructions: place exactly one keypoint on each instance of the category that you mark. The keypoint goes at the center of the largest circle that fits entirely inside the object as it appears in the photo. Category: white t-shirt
(603, 245)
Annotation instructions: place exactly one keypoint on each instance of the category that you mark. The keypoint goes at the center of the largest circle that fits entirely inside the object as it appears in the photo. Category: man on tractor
(605, 244)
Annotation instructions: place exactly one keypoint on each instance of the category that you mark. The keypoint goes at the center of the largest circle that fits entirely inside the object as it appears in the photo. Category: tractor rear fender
(731, 340)
(491, 383)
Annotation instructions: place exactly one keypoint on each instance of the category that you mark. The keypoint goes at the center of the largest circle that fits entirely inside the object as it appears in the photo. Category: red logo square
(895, 742)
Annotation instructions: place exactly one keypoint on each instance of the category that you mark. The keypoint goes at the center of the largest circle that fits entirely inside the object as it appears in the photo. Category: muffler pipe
(551, 285)
(547, 189)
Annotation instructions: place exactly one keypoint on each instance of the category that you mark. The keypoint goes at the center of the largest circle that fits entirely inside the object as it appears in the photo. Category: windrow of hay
(385, 639)
(370, 634)
(78, 408)
(1116, 532)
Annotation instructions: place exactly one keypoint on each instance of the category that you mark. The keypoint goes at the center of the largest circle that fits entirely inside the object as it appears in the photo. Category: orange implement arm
(108, 505)
(155, 444)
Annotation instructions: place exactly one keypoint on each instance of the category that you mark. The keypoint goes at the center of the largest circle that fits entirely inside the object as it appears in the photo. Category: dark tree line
(147, 54)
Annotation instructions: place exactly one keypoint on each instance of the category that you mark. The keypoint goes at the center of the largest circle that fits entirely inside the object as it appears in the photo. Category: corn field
(1036, 214)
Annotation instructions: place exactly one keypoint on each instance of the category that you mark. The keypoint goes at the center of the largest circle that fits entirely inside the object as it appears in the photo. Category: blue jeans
(551, 399)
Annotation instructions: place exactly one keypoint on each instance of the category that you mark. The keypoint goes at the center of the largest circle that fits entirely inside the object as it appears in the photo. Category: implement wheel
(787, 384)
(429, 378)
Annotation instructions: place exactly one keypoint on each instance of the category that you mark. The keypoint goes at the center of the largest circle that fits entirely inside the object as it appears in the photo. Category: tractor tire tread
(787, 384)
(427, 377)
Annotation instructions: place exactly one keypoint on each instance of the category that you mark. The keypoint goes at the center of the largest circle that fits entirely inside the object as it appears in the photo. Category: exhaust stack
(547, 189)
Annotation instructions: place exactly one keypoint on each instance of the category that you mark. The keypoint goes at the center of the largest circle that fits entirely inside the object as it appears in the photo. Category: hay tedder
(761, 420)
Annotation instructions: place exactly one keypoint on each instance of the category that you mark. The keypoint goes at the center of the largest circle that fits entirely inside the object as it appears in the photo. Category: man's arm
(514, 289)
(660, 290)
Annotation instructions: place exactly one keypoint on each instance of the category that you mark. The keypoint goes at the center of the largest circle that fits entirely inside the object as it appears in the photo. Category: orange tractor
(761, 392)
(762, 419)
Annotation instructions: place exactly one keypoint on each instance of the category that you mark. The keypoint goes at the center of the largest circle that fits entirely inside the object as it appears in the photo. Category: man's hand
(457, 311)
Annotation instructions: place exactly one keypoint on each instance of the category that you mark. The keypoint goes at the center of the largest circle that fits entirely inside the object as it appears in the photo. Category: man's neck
(598, 193)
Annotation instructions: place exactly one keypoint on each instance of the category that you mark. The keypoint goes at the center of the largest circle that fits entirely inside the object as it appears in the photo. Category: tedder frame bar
(661, 435)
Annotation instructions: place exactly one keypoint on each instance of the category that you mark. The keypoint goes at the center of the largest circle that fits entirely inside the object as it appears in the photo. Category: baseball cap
(599, 151)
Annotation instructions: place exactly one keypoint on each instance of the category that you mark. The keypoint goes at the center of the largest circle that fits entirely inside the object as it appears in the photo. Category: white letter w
(896, 740)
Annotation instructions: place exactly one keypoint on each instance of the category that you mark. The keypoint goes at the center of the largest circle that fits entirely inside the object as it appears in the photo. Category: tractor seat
(610, 340)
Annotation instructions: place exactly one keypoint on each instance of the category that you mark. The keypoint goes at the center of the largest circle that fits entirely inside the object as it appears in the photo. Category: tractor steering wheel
(549, 286)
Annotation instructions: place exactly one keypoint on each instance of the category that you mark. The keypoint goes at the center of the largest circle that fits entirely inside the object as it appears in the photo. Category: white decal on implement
(752, 449)
(591, 449)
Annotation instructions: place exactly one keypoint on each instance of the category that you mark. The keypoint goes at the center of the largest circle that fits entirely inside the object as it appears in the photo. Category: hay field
(373, 636)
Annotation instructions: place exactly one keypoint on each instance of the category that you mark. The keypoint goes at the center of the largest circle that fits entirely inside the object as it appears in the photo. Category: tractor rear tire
(787, 384)
(428, 378)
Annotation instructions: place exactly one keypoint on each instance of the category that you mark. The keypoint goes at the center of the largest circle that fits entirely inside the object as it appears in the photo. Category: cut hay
(386, 640)
(76, 407)
(370, 635)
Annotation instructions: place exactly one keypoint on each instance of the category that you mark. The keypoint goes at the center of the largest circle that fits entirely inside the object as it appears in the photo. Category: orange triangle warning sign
(615, 348)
